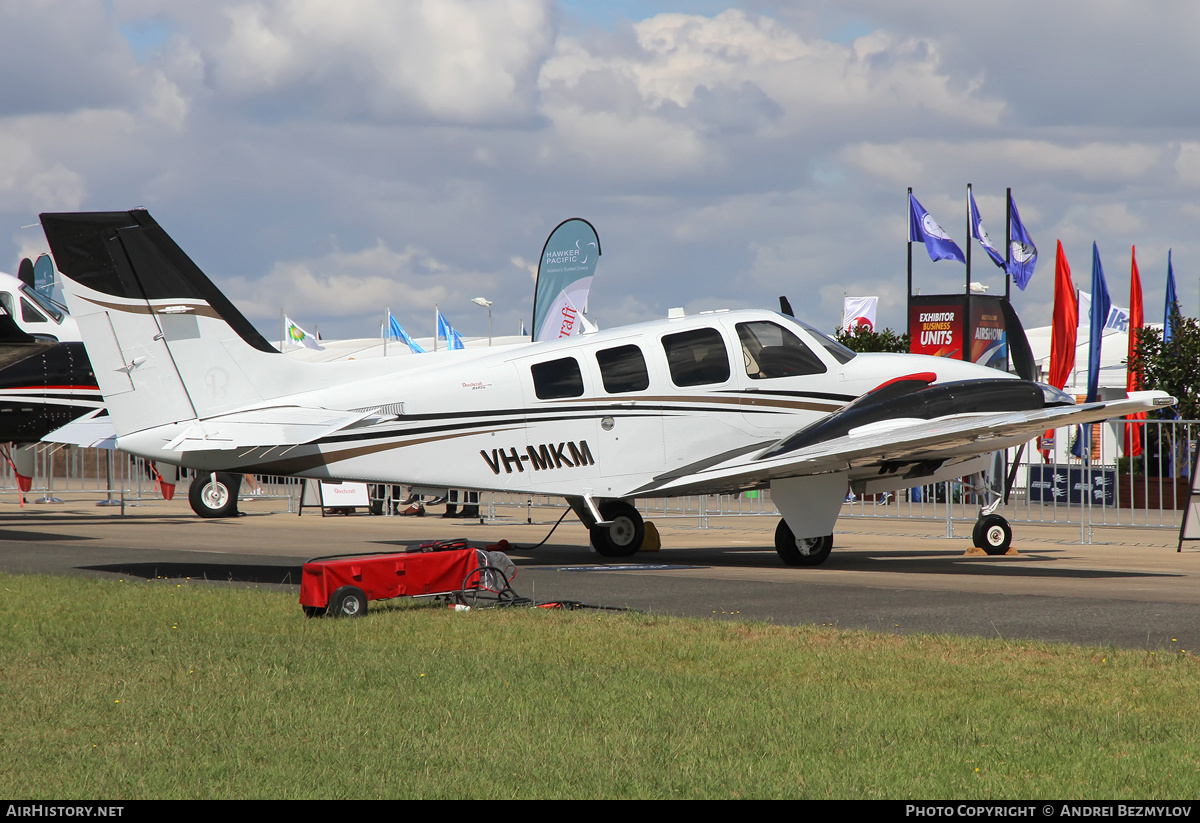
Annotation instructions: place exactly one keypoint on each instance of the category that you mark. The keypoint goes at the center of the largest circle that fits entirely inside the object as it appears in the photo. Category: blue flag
(1022, 254)
(445, 330)
(1101, 304)
(923, 228)
(1171, 311)
(396, 332)
(980, 234)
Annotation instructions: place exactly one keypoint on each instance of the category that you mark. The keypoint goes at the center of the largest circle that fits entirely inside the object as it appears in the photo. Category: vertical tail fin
(165, 344)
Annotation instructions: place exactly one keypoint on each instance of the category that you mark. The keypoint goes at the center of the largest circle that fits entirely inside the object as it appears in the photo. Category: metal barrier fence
(1078, 477)
(116, 478)
(1094, 487)
(1049, 485)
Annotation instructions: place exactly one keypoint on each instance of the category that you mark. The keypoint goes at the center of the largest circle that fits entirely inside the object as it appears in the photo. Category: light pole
(487, 304)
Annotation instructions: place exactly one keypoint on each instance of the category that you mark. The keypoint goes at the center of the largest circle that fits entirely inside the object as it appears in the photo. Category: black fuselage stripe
(526, 417)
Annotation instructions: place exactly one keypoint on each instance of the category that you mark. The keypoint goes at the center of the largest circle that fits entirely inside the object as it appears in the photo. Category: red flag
(1066, 322)
(1063, 330)
(1133, 431)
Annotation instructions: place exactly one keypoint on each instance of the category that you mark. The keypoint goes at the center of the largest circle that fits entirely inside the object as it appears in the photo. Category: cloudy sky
(330, 157)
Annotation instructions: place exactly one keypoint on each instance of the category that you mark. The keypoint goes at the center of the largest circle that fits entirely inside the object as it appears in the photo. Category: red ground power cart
(341, 586)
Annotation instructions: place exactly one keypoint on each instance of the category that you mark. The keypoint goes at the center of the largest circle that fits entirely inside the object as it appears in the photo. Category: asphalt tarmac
(1129, 588)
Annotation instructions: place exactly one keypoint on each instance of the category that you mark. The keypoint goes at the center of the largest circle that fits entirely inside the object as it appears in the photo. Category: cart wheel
(348, 601)
(313, 611)
(473, 595)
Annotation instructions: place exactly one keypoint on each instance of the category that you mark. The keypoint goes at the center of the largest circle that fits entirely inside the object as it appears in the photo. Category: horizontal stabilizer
(93, 430)
(272, 426)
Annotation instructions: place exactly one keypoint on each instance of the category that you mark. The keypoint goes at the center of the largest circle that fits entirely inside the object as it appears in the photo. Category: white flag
(1085, 311)
(859, 311)
(298, 336)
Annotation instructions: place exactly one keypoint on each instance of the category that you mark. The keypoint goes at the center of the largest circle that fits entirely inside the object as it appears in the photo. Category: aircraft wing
(272, 426)
(906, 448)
(16, 345)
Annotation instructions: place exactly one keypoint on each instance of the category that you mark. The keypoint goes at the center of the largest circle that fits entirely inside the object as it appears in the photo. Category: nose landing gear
(992, 534)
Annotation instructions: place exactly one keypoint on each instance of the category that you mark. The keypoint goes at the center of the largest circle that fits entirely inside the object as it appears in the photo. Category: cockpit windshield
(840, 353)
(47, 305)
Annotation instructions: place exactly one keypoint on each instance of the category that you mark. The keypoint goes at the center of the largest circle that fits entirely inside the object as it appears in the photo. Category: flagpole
(436, 315)
(968, 238)
(1007, 277)
(966, 354)
(386, 329)
(1007, 241)
(282, 329)
(908, 309)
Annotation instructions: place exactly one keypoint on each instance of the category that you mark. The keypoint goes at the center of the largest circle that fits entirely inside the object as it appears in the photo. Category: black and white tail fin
(166, 346)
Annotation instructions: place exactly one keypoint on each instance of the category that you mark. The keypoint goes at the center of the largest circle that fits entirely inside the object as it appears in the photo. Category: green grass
(152, 690)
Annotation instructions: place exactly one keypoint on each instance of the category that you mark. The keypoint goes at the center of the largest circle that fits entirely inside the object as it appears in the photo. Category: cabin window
(839, 352)
(44, 303)
(557, 378)
(769, 350)
(623, 369)
(697, 357)
(31, 315)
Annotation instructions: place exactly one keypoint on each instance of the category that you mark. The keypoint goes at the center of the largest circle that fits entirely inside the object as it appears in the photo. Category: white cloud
(910, 160)
(167, 104)
(454, 61)
(747, 155)
(1187, 164)
(897, 163)
(30, 181)
(354, 285)
(1115, 219)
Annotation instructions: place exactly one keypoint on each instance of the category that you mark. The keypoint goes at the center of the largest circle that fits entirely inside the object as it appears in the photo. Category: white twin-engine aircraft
(718, 402)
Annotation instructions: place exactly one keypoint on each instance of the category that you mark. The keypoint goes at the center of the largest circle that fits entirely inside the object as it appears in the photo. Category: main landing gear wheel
(804, 551)
(992, 534)
(215, 499)
(624, 534)
(348, 601)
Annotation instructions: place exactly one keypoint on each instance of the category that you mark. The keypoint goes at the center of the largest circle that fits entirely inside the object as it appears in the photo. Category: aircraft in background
(717, 402)
(46, 380)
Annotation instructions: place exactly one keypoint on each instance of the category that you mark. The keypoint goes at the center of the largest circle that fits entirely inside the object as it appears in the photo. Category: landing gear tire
(348, 601)
(992, 534)
(806, 551)
(215, 499)
(624, 534)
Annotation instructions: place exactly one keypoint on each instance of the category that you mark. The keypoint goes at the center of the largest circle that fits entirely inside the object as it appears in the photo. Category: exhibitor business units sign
(937, 326)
